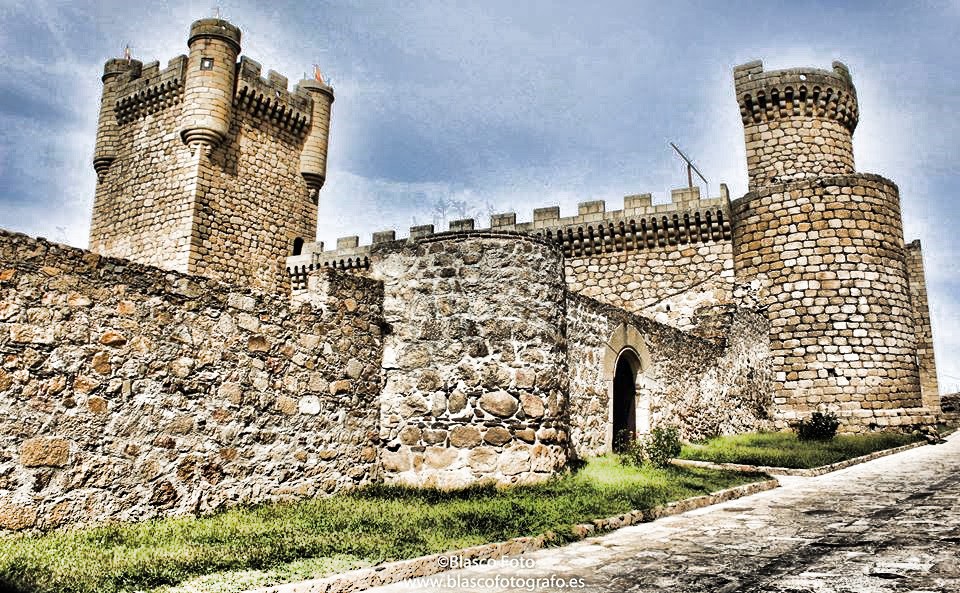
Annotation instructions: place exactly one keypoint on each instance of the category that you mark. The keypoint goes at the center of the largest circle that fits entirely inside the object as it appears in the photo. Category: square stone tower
(205, 167)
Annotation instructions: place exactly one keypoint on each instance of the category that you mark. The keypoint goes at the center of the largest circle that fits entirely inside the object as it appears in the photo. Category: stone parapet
(150, 91)
(639, 225)
(797, 123)
(270, 98)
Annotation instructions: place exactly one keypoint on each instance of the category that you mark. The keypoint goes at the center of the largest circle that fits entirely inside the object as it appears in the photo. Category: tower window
(206, 63)
(297, 246)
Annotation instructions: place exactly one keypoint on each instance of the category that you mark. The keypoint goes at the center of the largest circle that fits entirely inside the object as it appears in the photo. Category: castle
(206, 351)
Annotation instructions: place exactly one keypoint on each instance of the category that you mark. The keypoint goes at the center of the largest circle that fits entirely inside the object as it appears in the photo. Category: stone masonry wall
(663, 261)
(705, 387)
(252, 204)
(128, 392)
(929, 389)
(475, 359)
(667, 284)
(830, 255)
(140, 210)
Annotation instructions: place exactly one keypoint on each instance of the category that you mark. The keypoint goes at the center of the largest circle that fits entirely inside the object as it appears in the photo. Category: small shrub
(662, 445)
(633, 451)
(822, 426)
(656, 448)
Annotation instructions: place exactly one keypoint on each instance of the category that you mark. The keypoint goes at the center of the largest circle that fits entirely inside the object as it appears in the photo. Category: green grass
(364, 527)
(782, 449)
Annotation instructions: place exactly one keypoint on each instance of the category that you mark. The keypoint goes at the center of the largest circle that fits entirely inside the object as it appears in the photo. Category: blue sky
(480, 106)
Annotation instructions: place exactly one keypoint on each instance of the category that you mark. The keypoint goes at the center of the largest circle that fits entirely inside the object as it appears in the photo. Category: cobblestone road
(890, 525)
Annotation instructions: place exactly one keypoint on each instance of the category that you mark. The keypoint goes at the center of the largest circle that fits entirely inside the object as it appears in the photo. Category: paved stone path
(890, 525)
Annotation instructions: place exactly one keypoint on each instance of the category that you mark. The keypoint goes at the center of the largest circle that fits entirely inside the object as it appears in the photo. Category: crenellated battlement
(639, 225)
(148, 89)
(797, 123)
(811, 92)
(209, 133)
(271, 98)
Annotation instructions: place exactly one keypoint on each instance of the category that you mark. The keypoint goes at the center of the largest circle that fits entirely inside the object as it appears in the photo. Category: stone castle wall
(475, 359)
(797, 123)
(127, 392)
(705, 387)
(663, 261)
(200, 167)
(830, 255)
(929, 388)
(142, 191)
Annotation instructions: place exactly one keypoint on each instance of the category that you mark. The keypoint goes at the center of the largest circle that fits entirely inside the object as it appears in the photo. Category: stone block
(45, 452)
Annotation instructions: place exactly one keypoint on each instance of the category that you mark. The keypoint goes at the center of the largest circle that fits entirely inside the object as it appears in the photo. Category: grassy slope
(371, 525)
(782, 449)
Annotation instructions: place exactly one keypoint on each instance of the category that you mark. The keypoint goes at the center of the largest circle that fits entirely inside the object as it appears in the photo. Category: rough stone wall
(127, 392)
(951, 404)
(252, 203)
(588, 331)
(667, 284)
(830, 256)
(141, 211)
(790, 148)
(929, 390)
(705, 387)
(475, 359)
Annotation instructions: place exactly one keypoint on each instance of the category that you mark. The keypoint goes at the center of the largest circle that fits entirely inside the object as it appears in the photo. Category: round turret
(824, 246)
(797, 123)
(313, 158)
(209, 84)
(105, 149)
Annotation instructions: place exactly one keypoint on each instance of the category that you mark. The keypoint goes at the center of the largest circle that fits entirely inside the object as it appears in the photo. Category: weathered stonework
(815, 245)
(133, 390)
(200, 164)
(161, 393)
(929, 390)
(475, 362)
(704, 386)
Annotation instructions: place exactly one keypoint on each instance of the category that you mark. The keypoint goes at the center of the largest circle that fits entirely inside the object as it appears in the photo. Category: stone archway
(625, 360)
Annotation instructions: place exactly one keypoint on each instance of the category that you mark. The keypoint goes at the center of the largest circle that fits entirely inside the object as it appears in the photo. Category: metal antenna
(690, 168)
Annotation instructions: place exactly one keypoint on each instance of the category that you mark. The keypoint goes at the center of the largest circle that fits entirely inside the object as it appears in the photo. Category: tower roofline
(216, 28)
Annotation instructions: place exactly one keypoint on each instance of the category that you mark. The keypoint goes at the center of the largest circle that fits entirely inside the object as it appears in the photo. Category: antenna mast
(691, 168)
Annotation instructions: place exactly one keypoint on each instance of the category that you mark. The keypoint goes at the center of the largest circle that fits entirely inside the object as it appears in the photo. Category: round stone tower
(313, 157)
(797, 123)
(209, 82)
(826, 245)
(105, 150)
(474, 364)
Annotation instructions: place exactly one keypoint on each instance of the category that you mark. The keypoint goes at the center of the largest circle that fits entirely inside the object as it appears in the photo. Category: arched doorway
(297, 246)
(625, 399)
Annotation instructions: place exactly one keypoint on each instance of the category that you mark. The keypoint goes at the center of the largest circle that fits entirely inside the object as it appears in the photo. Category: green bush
(822, 426)
(656, 448)
(662, 445)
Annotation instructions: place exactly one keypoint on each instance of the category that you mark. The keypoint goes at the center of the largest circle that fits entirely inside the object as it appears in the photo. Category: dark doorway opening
(297, 246)
(625, 400)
